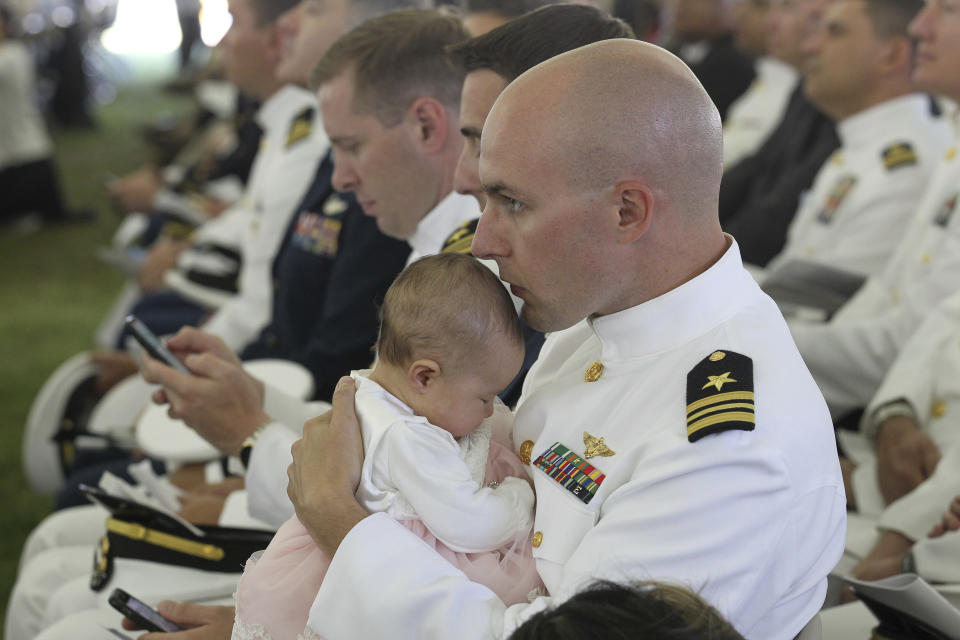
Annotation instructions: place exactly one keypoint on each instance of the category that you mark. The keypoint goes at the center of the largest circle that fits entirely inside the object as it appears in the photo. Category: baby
(450, 340)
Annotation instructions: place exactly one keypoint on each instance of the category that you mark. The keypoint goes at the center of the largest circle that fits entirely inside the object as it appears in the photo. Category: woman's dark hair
(628, 612)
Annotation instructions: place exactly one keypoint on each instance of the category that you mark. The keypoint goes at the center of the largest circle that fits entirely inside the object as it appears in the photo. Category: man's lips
(517, 291)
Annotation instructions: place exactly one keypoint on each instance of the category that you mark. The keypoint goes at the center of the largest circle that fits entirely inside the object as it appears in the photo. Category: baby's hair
(447, 304)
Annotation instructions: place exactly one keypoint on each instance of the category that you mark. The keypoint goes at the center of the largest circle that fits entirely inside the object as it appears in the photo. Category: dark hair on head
(523, 43)
(361, 10)
(446, 306)
(891, 18)
(267, 11)
(505, 8)
(397, 58)
(619, 612)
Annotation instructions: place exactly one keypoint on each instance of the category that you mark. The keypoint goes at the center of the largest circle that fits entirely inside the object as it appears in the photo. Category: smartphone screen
(141, 613)
(152, 344)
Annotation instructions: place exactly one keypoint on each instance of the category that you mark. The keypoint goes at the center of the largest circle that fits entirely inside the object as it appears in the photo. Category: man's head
(308, 30)
(481, 16)
(451, 337)
(494, 59)
(860, 55)
(789, 24)
(937, 30)
(750, 26)
(389, 99)
(252, 45)
(602, 170)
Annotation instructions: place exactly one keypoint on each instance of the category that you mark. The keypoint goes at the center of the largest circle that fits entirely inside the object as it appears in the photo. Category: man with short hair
(761, 193)
(481, 16)
(850, 355)
(669, 400)
(857, 70)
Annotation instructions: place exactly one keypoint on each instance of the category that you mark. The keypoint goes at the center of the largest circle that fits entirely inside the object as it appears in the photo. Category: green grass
(54, 292)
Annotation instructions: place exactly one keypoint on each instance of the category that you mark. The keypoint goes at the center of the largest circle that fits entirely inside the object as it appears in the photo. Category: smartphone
(141, 613)
(152, 344)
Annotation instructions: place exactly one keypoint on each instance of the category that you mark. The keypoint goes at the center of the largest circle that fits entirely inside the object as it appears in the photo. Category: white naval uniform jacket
(864, 196)
(291, 148)
(756, 519)
(266, 477)
(926, 375)
(850, 355)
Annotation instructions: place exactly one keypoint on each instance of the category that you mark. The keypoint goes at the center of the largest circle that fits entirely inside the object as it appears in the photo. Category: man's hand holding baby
(326, 471)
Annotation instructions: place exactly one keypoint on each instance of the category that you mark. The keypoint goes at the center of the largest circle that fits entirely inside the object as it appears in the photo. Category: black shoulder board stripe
(720, 395)
(461, 240)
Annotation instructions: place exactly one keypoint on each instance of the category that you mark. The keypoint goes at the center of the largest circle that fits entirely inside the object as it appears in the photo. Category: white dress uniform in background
(266, 477)
(611, 420)
(926, 377)
(753, 116)
(864, 196)
(850, 355)
(292, 146)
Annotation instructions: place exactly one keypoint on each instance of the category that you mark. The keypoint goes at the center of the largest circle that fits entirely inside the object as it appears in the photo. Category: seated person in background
(858, 71)
(912, 418)
(754, 115)
(620, 612)
(703, 38)
(760, 194)
(850, 355)
(450, 340)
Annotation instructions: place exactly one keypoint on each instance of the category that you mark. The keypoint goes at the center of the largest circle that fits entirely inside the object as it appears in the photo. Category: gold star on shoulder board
(718, 381)
(595, 447)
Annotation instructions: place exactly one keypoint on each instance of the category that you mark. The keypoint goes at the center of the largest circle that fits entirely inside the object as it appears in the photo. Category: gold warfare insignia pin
(593, 372)
(461, 240)
(595, 447)
(720, 395)
(526, 451)
(301, 126)
(334, 206)
(899, 154)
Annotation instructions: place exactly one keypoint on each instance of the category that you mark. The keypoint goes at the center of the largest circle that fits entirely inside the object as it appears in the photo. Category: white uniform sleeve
(425, 466)
(914, 514)
(266, 478)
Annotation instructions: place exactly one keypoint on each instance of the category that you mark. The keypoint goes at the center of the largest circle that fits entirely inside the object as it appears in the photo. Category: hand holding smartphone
(141, 613)
(152, 344)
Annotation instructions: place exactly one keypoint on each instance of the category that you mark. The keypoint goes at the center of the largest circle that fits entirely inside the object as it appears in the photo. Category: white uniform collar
(280, 104)
(435, 227)
(769, 69)
(862, 129)
(680, 315)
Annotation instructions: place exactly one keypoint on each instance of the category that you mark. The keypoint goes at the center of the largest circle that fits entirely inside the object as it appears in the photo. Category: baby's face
(460, 400)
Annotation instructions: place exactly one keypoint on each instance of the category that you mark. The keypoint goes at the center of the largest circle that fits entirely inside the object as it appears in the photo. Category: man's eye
(514, 205)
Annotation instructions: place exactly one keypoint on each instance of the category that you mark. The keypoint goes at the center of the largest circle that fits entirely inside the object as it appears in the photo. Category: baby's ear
(422, 374)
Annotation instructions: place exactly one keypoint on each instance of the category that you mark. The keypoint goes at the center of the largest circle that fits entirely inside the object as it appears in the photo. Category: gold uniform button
(594, 372)
(938, 409)
(526, 449)
(717, 356)
(951, 153)
(925, 258)
(537, 539)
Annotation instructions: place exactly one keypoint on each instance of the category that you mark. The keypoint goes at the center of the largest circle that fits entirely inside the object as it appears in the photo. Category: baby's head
(450, 341)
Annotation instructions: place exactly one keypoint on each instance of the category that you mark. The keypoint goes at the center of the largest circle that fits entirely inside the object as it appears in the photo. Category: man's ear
(898, 54)
(422, 373)
(428, 118)
(634, 201)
